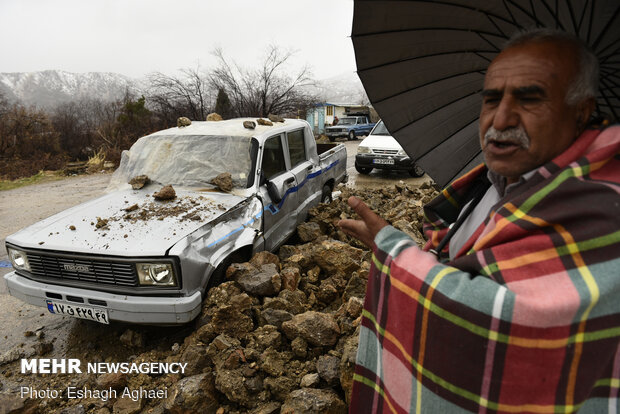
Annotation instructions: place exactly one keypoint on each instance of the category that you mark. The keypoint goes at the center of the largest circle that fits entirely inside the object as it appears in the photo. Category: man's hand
(366, 229)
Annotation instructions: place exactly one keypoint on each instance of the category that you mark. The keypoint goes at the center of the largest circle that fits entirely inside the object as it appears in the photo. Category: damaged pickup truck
(147, 254)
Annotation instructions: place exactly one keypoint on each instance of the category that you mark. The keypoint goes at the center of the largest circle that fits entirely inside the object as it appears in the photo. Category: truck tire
(416, 171)
(326, 194)
(332, 139)
(352, 136)
(363, 170)
(219, 274)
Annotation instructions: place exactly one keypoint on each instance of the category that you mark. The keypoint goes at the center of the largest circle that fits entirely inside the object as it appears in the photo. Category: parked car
(350, 127)
(127, 256)
(380, 150)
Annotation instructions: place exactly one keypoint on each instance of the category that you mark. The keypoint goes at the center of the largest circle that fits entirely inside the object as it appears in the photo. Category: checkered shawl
(526, 318)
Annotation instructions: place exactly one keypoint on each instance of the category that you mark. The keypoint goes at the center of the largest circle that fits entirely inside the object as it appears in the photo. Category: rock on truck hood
(126, 223)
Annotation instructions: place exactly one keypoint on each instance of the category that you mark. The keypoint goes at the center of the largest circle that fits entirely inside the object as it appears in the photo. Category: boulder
(312, 401)
(267, 282)
(318, 329)
(224, 182)
(192, 395)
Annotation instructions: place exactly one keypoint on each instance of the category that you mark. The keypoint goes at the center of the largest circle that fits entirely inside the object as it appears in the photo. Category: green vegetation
(40, 177)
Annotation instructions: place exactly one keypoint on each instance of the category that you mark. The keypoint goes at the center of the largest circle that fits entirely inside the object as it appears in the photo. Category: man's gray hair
(585, 84)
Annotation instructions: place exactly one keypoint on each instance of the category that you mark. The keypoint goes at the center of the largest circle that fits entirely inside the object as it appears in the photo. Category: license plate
(82, 312)
(383, 161)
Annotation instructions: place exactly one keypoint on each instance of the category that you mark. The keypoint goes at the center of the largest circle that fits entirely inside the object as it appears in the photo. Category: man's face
(525, 88)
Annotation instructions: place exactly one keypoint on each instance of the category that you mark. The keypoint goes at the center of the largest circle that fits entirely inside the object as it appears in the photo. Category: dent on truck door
(279, 218)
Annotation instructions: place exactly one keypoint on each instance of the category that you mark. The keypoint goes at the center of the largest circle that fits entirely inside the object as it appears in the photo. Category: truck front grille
(83, 269)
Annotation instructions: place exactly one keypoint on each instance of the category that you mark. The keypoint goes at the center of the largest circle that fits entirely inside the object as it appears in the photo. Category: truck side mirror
(273, 192)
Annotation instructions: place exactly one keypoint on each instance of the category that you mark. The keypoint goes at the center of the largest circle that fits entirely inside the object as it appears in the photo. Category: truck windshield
(380, 129)
(347, 121)
(186, 160)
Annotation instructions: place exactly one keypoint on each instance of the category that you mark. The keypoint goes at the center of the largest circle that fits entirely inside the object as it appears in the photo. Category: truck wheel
(352, 136)
(363, 170)
(219, 274)
(326, 194)
(416, 171)
(332, 139)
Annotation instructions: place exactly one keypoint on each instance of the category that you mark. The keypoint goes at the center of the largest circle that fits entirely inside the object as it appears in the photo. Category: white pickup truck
(130, 256)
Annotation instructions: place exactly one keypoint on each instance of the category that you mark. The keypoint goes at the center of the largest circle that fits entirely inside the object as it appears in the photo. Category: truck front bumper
(125, 308)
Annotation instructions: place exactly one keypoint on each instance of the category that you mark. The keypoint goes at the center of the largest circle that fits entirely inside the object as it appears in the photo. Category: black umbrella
(422, 64)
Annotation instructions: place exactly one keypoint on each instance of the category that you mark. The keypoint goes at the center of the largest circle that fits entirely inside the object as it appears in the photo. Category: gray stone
(193, 394)
(128, 406)
(230, 321)
(276, 316)
(299, 346)
(232, 384)
(312, 401)
(265, 283)
(309, 231)
(280, 387)
(319, 329)
(224, 182)
(328, 367)
(132, 339)
(290, 278)
(264, 257)
(310, 380)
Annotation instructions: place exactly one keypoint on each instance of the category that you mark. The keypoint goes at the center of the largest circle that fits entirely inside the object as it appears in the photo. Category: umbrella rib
(470, 160)
(591, 21)
(572, 15)
(611, 107)
(603, 58)
(426, 84)
(456, 29)
(516, 6)
(583, 16)
(609, 23)
(513, 21)
(447, 138)
(488, 41)
(474, 9)
(421, 57)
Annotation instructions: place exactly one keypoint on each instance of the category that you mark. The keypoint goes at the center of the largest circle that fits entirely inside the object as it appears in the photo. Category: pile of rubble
(281, 334)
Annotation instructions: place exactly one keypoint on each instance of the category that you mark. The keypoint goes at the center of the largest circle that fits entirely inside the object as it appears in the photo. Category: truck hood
(126, 223)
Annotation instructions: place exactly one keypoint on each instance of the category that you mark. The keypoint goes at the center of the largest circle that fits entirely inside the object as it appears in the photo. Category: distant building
(323, 114)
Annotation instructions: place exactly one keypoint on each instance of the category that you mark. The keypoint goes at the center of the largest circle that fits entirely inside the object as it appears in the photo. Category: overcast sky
(136, 37)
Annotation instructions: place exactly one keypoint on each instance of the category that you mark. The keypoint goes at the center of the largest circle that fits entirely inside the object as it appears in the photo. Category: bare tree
(188, 95)
(265, 90)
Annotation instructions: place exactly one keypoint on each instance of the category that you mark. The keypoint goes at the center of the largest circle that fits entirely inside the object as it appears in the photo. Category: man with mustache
(519, 310)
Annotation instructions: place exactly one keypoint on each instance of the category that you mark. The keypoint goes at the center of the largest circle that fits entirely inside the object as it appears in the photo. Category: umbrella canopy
(422, 64)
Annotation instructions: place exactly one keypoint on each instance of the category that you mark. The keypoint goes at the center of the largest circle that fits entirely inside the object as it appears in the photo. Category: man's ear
(584, 111)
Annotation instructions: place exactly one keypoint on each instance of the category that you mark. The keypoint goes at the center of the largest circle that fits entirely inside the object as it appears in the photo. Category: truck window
(296, 147)
(273, 157)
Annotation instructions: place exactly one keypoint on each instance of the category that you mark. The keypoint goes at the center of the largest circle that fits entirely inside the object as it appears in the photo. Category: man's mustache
(516, 136)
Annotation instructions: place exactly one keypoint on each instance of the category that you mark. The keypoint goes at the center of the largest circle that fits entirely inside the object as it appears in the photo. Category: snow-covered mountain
(49, 88)
(345, 88)
(52, 87)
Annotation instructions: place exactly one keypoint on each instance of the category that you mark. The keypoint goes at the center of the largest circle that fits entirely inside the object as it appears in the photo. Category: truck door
(306, 173)
(280, 201)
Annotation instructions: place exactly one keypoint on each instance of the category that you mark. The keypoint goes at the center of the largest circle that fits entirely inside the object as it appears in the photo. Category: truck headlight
(402, 152)
(19, 260)
(363, 150)
(156, 274)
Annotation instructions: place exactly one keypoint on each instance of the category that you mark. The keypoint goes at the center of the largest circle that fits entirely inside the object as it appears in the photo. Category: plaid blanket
(526, 318)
